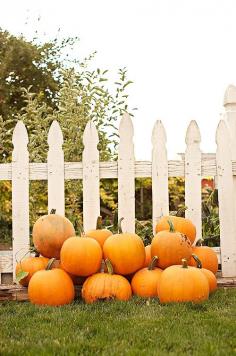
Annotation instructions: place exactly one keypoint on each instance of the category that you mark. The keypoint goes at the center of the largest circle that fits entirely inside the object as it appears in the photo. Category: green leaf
(21, 275)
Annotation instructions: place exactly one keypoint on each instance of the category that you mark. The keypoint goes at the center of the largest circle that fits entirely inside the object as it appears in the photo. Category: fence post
(20, 193)
(91, 194)
(56, 181)
(193, 177)
(126, 177)
(160, 192)
(226, 201)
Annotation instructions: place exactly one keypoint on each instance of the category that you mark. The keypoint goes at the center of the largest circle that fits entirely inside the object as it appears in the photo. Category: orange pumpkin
(210, 275)
(81, 256)
(104, 286)
(148, 256)
(125, 251)
(185, 226)
(100, 235)
(170, 247)
(27, 267)
(49, 233)
(51, 287)
(77, 280)
(144, 282)
(181, 283)
(207, 256)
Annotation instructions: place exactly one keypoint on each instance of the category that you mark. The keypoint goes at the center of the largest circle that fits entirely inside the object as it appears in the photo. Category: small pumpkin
(210, 275)
(50, 232)
(183, 225)
(144, 283)
(207, 256)
(170, 247)
(81, 256)
(51, 287)
(28, 266)
(99, 234)
(125, 251)
(148, 256)
(181, 283)
(105, 286)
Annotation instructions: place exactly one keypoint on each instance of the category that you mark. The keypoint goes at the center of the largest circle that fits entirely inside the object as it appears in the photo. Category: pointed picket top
(222, 133)
(158, 133)
(193, 133)
(90, 133)
(20, 135)
(230, 95)
(55, 136)
(126, 128)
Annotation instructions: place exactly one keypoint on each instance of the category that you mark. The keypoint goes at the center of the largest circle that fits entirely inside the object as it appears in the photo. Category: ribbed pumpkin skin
(125, 251)
(170, 248)
(144, 283)
(50, 232)
(178, 284)
(106, 286)
(81, 256)
(185, 226)
(99, 235)
(53, 287)
(211, 279)
(31, 265)
(147, 256)
(207, 256)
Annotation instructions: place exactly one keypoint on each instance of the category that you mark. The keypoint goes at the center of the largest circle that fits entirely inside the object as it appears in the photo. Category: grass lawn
(116, 328)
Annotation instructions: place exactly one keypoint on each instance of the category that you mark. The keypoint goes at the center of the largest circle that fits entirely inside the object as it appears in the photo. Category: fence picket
(126, 181)
(226, 201)
(91, 195)
(193, 194)
(20, 193)
(55, 160)
(160, 193)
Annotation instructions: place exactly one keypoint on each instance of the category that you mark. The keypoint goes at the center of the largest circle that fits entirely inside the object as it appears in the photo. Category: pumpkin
(99, 234)
(207, 256)
(104, 286)
(185, 226)
(28, 266)
(170, 247)
(125, 251)
(51, 287)
(81, 256)
(148, 256)
(144, 282)
(210, 275)
(49, 233)
(77, 280)
(181, 283)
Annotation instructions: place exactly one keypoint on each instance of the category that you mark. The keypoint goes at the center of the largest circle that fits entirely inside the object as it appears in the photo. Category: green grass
(117, 328)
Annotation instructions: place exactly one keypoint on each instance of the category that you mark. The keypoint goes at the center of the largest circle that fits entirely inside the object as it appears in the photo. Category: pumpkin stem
(119, 226)
(172, 229)
(180, 211)
(53, 211)
(103, 264)
(109, 266)
(152, 264)
(199, 242)
(99, 223)
(50, 263)
(79, 230)
(198, 261)
(184, 263)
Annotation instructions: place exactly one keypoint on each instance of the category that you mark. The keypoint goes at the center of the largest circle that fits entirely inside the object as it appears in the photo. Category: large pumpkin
(49, 233)
(181, 283)
(99, 234)
(170, 247)
(125, 251)
(207, 256)
(209, 275)
(105, 286)
(77, 280)
(145, 281)
(28, 266)
(51, 287)
(185, 226)
(81, 256)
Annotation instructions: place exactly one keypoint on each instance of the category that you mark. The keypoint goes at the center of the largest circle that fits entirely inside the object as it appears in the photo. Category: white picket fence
(193, 167)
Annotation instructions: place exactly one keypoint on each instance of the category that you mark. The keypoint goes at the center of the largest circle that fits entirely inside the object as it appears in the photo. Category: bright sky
(181, 55)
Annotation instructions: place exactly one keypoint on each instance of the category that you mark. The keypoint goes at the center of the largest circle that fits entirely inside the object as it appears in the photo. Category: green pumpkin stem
(99, 223)
(197, 260)
(184, 263)
(172, 229)
(152, 264)
(79, 230)
(50, 263)
(109, 266)
(119, 226)
(53, 211)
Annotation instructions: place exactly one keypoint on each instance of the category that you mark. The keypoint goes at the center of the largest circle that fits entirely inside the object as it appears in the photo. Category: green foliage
(210, 219)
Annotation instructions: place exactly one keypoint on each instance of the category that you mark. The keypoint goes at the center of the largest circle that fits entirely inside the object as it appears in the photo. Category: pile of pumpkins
(116, 266)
